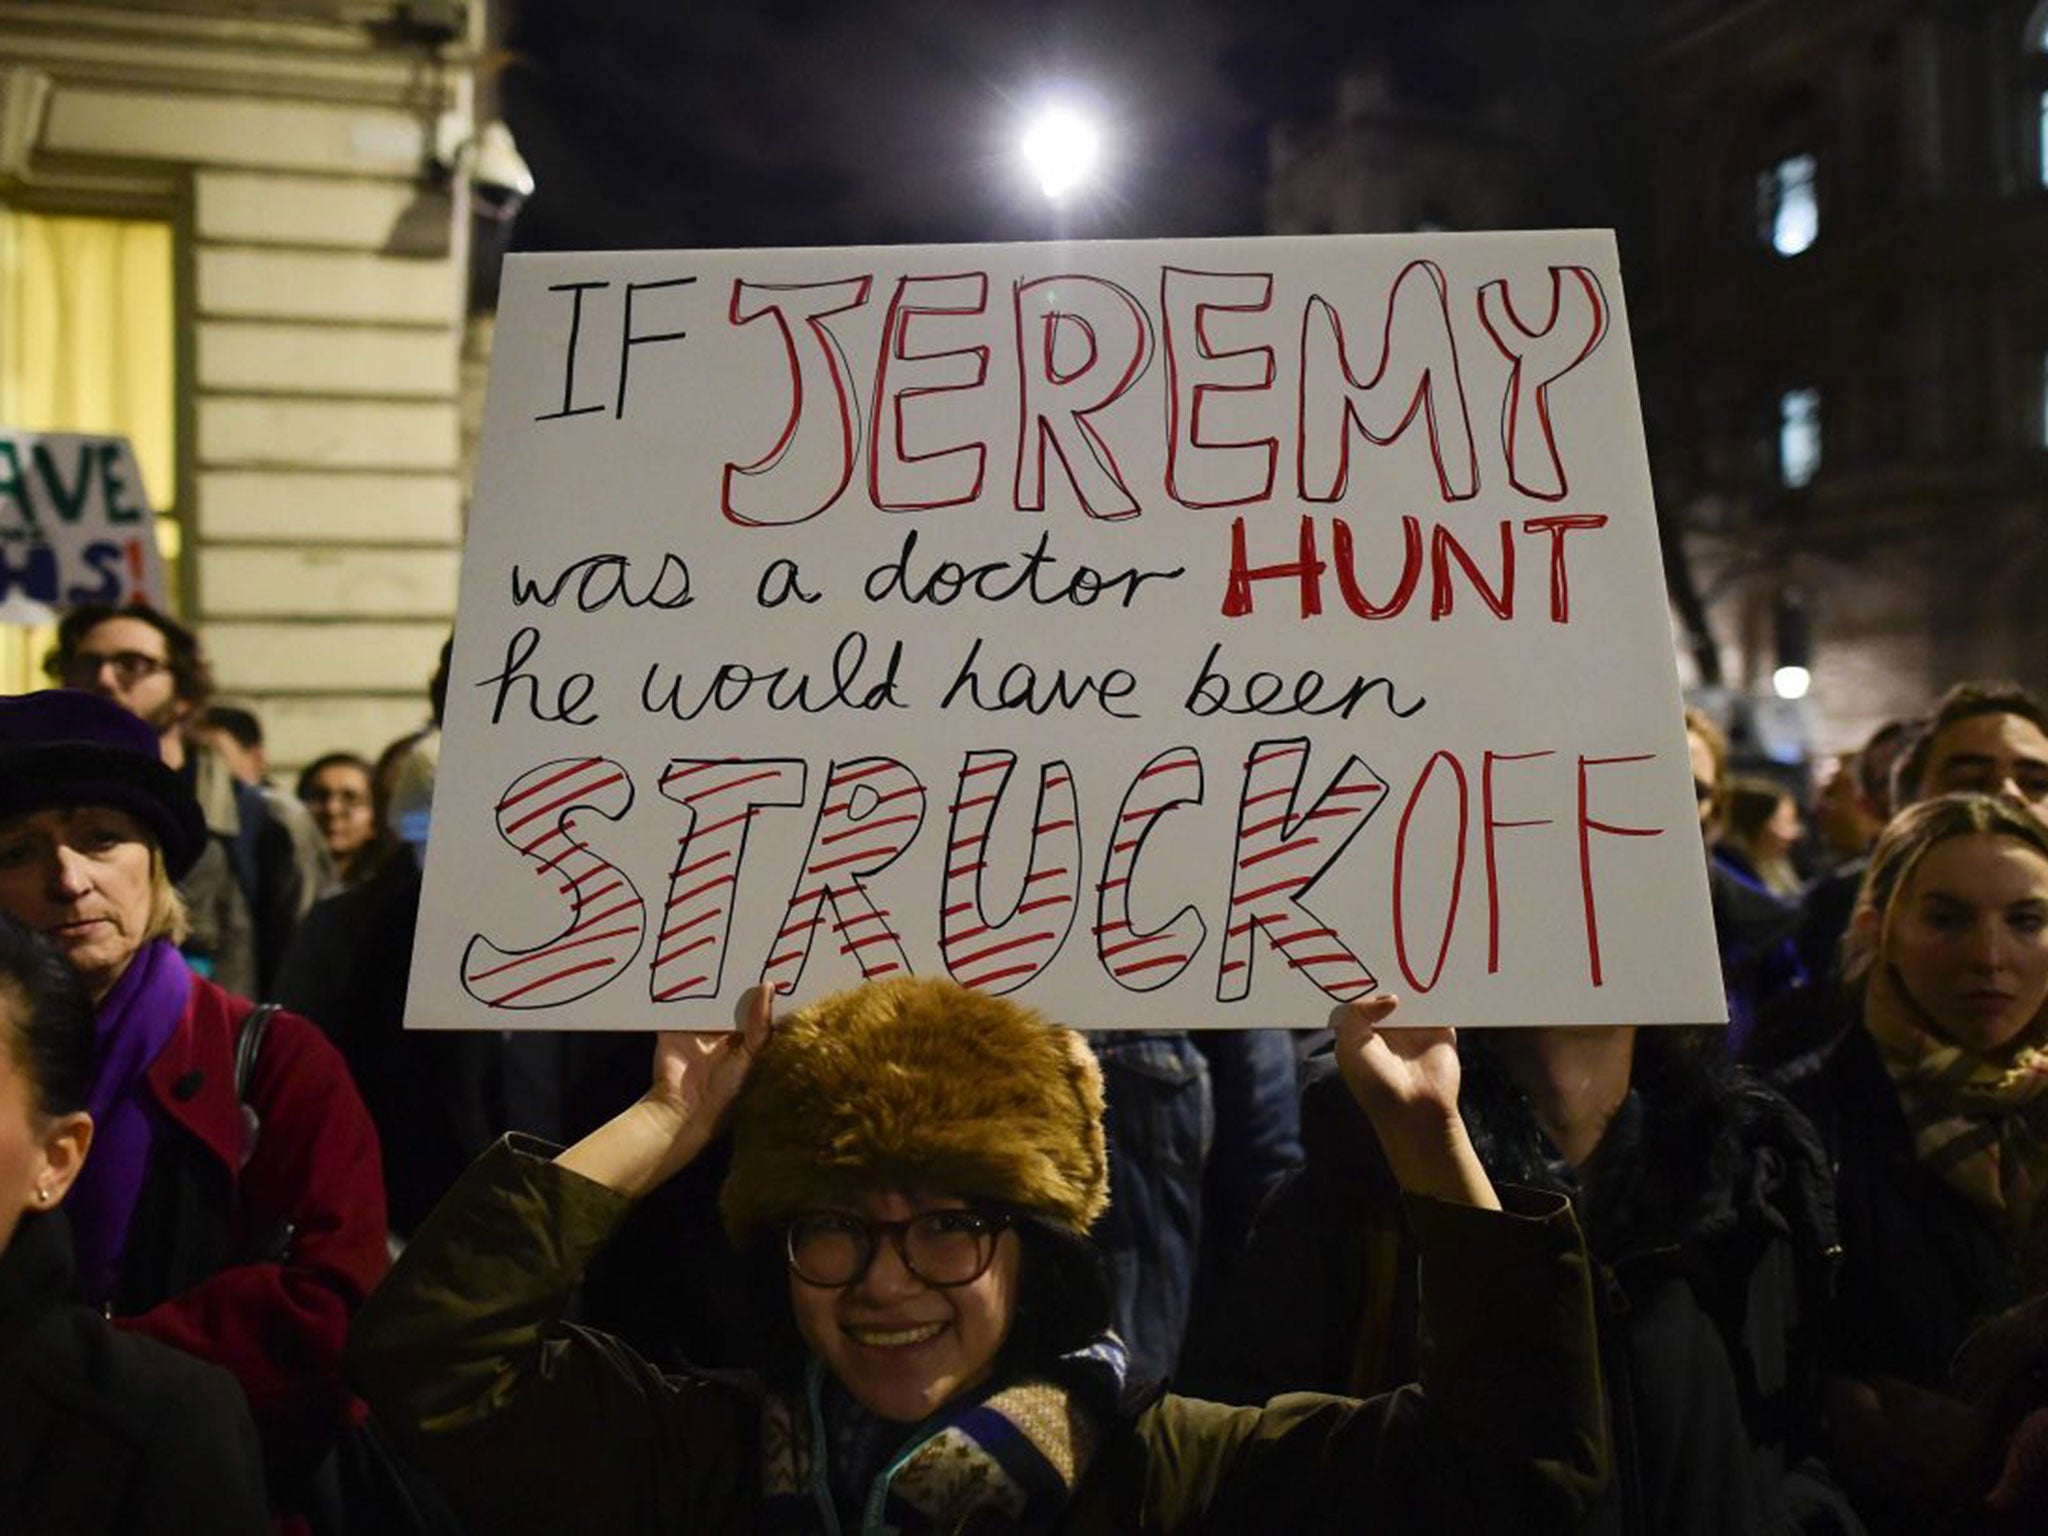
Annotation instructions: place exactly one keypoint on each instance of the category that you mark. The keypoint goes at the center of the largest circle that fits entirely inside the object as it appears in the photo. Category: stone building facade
(1382, 161)
(1834, 230)
(318, 317)
(1846, 360)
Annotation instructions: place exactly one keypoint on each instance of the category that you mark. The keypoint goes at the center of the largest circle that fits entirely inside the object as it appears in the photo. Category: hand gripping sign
(1175, 634)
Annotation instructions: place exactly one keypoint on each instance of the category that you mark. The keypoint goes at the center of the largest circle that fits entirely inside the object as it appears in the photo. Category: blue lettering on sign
(33, 572)
(104, 558)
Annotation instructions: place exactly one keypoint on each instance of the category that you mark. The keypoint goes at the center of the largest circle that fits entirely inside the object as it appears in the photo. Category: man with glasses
(249, 890)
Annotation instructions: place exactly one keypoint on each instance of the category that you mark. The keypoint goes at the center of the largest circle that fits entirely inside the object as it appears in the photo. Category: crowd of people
(910, 1258)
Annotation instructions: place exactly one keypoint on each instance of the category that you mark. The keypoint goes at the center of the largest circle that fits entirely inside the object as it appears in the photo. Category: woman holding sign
(233, 1205)
(915, 1167)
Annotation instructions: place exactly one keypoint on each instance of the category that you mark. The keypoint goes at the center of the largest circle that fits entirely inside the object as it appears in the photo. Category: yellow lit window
(88, 344)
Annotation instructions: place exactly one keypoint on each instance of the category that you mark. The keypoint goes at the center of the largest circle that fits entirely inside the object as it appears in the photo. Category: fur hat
(920, 1084)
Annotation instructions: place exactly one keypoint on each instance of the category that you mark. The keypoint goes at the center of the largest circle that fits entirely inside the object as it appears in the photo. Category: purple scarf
(136, 1021)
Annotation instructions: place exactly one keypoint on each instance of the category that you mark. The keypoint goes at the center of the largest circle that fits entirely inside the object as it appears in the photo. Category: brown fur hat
(918, 1084)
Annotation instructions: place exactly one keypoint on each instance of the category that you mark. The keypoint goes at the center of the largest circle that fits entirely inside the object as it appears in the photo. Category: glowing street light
(1791, 682)
(1061, 148)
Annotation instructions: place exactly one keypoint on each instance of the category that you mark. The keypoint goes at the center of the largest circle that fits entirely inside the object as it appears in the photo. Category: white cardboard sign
(1176, 633)
(75, 524)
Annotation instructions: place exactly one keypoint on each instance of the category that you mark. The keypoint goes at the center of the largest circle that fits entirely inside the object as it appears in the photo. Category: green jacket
(530, 1424)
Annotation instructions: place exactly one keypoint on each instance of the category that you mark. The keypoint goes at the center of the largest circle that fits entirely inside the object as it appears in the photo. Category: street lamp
(1794, 624)
(1061, 147)
(1791, 682)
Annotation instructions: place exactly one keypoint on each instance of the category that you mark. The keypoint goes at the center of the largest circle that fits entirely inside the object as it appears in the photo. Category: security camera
(498, 173)
(498, 176)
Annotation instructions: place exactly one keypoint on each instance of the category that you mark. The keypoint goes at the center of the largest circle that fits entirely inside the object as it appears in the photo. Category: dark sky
(715, 122)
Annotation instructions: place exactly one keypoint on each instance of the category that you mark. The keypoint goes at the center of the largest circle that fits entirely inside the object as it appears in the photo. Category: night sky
(795, 122)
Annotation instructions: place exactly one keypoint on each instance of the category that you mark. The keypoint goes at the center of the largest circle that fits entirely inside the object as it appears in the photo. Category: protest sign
(75, 524)
(1175, 633)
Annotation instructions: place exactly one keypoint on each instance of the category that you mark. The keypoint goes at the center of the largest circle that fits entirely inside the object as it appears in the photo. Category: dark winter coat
(436, 1096)
(1921, 1266)
(255, 881)
(532, 1425)
(1710, 1225)
(108, 1435)
(253, 1243)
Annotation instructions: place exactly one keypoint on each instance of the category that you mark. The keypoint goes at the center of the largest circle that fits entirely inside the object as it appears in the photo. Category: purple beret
(65, 747)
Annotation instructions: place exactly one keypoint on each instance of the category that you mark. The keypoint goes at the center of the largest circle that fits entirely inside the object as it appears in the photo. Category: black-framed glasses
(941, 1248)
(130, 667)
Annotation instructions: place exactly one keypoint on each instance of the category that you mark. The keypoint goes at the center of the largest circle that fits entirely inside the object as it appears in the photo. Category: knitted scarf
(1014, 1452)
(136, 1020)
(1981, 1124)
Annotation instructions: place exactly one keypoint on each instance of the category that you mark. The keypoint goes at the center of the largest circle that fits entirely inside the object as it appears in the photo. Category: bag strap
(276, 1244)
(248, 1045)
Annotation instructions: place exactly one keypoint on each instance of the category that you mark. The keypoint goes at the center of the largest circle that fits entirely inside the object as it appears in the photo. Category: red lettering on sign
(1492, 823)
(1147, 961)
(872, 809)
(1002, 956)
(802, 473)
(1246, 466)
(1280, 854)
(1574, 327)
(607, 920)
(1400, 900)
(1417, 375)
(900, 479)
(722, 796)
(1587, 826)
(1057, 400)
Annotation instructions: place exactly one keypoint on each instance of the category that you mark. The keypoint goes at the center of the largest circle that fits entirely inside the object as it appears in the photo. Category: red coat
(256, 1261)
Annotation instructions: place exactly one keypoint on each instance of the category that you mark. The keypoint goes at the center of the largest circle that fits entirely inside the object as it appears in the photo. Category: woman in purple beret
(233, 1205)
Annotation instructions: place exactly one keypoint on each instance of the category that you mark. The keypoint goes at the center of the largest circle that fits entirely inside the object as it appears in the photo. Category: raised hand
(695, 1079)
(1407, 1082)
(1410, 1073)
(697, 1074)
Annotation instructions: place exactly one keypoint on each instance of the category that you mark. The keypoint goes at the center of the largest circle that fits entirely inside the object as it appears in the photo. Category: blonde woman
(1928, 1081)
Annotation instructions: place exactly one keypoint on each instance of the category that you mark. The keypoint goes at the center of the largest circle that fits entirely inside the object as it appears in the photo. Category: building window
(1798, 437)
(2035, 76)
(1788, 206)
(87, 344)
(2041, 136)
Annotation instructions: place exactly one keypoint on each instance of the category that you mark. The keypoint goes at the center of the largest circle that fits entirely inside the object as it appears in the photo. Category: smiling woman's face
(339, 799)
(903, 1348)
(80, 876)
(1968, 937)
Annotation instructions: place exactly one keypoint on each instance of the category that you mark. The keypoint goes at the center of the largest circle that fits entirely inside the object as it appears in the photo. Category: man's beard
(167, 716)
